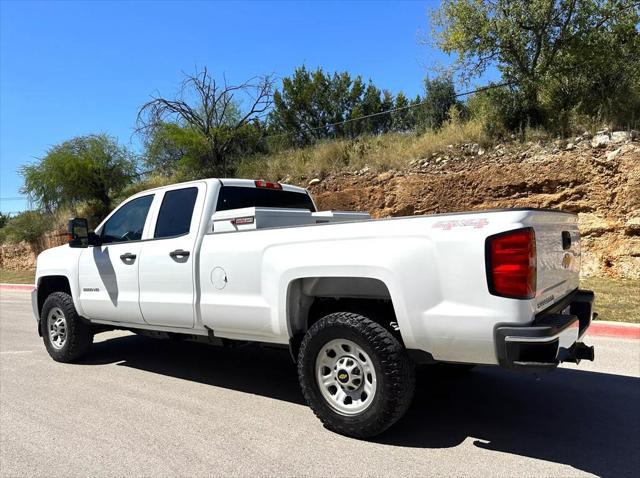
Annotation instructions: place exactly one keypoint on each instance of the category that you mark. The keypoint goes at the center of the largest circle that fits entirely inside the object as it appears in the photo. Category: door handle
(128, 257)
(179, 254)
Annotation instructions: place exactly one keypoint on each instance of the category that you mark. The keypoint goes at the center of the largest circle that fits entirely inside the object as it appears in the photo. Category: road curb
(27, 287)
(603, 328)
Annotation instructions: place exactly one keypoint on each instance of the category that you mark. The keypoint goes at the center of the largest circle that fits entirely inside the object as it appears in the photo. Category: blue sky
(73, 68)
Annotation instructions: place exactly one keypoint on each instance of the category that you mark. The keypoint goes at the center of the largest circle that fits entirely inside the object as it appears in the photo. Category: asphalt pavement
(146, 407)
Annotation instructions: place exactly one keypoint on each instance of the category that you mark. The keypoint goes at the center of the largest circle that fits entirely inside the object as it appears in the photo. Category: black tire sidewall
(79, 336)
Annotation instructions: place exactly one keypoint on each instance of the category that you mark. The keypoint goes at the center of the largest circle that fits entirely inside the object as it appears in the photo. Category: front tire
(355, 375)
(66, 336)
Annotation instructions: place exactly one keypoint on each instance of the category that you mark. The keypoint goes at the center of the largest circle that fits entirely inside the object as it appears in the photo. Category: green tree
(206, 125)
(440, 96)
(502, 109)
(538, 43)
(386, 120)
(87, 169)
(310, 100)
(171, 148)
(417, 116)
(600, 79)
(370, 104)
(402, 120)
(182, 151)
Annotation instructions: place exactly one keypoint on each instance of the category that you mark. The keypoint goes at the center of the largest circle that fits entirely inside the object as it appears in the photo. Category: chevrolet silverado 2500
(359, 302)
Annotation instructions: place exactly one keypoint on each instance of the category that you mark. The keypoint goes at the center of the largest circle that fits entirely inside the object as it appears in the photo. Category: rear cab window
(238, 197)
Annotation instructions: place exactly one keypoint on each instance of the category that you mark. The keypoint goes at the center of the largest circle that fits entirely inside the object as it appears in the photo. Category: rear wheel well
(379, 310)
(310, 299)
(48, 285)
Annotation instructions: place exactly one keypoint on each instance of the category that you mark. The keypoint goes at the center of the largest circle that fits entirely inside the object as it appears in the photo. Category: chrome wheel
(346, 376)
(57, 327)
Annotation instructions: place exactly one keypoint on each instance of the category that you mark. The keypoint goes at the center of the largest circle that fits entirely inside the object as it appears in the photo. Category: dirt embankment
(22, 256)
(600, 182)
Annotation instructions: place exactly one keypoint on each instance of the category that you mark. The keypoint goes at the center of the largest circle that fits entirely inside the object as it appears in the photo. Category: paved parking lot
(145, 407)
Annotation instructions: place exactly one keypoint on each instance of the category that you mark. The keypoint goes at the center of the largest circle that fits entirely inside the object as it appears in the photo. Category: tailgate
(558, 255)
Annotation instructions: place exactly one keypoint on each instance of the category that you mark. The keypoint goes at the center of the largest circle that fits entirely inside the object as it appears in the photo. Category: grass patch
(378, 153)
(17, 277)
(616, 299)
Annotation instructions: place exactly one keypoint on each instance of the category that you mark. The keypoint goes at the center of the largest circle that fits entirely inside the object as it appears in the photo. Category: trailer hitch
(580, 351)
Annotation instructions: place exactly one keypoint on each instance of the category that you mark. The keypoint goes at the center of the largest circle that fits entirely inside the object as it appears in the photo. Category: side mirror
(78, 230)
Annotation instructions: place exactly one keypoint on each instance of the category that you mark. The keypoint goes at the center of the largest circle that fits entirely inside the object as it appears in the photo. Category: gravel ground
(145, 407)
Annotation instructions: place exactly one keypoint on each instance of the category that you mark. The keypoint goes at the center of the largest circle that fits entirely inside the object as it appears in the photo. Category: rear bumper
(553, 337)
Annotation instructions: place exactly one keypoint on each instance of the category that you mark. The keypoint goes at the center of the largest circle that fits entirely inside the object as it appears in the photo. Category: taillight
(511, 264)
(261, 183)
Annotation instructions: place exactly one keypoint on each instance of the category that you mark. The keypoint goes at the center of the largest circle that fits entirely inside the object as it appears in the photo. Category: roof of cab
(247, 183)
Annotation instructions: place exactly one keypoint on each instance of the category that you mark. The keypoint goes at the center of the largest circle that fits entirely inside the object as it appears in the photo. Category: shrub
(27, 226)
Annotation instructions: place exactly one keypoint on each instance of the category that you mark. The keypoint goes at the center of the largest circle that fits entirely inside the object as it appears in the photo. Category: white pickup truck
(359, 302)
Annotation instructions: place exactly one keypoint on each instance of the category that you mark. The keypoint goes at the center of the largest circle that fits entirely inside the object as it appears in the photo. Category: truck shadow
(262, 371)
(589, 421)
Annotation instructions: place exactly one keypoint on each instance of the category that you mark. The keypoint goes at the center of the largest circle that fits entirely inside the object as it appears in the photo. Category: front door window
(127, 223)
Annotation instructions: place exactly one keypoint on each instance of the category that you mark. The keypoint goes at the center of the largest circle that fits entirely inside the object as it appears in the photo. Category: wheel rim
(346, 376)
(57, 327)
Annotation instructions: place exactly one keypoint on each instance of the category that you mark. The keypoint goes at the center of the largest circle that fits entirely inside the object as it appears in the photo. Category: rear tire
(355, 375)
(66, 336)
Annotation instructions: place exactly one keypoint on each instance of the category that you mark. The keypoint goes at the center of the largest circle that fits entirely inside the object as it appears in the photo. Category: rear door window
(234, 197)
(174, 218)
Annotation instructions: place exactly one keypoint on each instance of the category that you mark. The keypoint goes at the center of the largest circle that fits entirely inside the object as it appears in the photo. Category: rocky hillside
(597, 177)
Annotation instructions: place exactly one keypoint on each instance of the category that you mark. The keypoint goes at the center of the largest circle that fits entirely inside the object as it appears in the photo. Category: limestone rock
(600, 141)
(593, 225)
(613, 154)
(620, 137)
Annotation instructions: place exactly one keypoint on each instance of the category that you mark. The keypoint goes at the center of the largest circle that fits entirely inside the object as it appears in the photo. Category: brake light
(511, 264)
(261, 183)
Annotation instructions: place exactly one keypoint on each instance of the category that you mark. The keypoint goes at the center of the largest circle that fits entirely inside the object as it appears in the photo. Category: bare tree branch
(211, 109)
